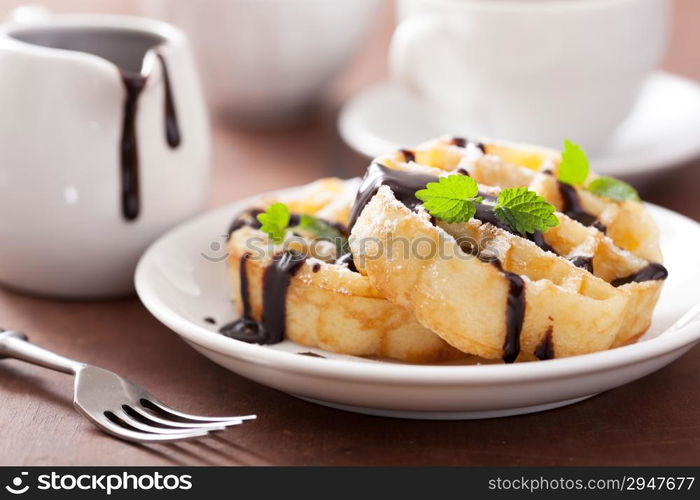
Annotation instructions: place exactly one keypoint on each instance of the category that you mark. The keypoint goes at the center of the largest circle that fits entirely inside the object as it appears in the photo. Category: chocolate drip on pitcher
(131, 203)
(134, 85)
(126, 50)
(172, 127)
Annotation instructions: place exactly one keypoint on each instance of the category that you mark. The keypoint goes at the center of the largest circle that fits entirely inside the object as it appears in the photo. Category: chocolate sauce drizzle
(244, 328)
(311, 354)
(600, 227)
(515, 313)
(403, 184)
(134, 84)
(347, 259)
(245, 218)
(462, 143)
(408, 155)
(583, 261)
(275, 284)
(538, 239)
(276, 279)
(545, 349)
(572, 205)
(653, 271)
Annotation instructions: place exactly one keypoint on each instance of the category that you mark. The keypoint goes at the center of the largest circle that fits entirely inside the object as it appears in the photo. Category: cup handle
(28, 14)
(410, 34)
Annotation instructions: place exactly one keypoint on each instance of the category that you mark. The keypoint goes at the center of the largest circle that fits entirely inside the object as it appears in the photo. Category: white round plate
(661, 131)
(182, 279)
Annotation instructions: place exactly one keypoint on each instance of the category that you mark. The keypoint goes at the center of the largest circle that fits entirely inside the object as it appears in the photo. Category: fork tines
(155, 421)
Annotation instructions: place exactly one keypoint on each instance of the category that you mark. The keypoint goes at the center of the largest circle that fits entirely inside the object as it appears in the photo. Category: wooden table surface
(654, 421)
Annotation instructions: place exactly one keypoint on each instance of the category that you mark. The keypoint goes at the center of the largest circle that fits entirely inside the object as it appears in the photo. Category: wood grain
(654, 421)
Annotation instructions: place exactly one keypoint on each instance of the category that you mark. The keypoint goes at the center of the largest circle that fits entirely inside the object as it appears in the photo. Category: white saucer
(660, 132)
(183, 279)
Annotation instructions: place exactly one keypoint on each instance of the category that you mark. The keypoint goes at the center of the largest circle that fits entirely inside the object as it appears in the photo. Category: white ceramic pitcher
(104, 144)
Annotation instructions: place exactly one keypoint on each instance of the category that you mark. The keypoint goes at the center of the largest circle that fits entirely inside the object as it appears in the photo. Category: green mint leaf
(274, 222)
(323, 230)
(614, 189)
(451, 199)
(574, 167)
(525, 211)
(318, 227)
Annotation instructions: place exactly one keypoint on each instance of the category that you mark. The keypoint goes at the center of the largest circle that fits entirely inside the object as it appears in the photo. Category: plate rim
(669, 341)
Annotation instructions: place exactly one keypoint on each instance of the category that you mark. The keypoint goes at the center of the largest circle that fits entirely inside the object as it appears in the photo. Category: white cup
(269, 62)
(529, 70)
(89, 177)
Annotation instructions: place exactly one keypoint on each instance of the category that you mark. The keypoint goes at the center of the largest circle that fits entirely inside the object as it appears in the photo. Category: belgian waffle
(589, 284)
(282, 292)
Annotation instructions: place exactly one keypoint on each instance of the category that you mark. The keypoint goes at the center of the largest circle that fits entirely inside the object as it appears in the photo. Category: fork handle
(16, 345)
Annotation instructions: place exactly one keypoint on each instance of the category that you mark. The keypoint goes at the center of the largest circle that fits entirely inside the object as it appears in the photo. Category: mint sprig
(525, 211)
(451, 199)
(574, 166)
(325, 231)
(574, 170)
(454, 198)
(614, 189)
(318, 227)
(275, 220)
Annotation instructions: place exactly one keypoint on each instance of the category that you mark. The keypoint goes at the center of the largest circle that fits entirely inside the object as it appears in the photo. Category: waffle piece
(502, 164)
(282, 292)
(568, 291)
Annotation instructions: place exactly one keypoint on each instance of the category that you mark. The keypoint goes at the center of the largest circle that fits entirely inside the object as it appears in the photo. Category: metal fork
(113, 403)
